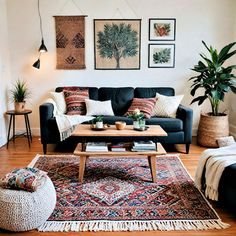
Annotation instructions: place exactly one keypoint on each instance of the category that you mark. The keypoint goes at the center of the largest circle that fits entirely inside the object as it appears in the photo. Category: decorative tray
(141, 129)
(105, 126)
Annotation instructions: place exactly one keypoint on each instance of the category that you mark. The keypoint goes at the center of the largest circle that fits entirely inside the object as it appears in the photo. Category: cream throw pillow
(59, 99)
(166, 106)
(96, 108)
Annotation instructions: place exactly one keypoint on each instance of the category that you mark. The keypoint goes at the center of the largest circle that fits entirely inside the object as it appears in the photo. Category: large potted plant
(215, 81)
(19, 94)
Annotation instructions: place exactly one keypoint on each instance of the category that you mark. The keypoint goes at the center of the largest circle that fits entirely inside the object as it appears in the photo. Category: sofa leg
(44, 148)
(187, 148)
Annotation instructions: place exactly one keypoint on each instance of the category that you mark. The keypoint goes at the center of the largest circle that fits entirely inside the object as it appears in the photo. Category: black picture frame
(161, 55)
(162, 29)
(103, 57)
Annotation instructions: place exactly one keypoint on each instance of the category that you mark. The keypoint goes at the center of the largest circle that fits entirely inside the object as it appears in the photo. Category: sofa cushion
(142, 92)
(112, 119)
(145, 105)
(168, 124)
(75, 101)
(121, 98)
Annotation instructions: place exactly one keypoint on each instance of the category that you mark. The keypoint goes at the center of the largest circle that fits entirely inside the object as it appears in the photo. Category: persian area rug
(118, 195)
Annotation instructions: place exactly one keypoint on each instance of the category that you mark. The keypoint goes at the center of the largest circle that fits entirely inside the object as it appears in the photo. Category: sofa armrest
(45, 114)
(186, 115)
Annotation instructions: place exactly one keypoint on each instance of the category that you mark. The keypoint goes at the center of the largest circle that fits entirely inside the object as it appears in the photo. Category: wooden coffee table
(85, 131)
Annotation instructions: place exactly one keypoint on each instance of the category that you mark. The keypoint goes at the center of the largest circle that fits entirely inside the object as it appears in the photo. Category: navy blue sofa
(179, 129)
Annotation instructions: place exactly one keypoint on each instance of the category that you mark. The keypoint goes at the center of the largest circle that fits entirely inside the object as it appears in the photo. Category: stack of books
(96, 147)
(118, 147)
(142, 146)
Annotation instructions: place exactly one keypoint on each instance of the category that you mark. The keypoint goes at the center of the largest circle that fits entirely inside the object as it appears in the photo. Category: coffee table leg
(152, 164)
(82, 168)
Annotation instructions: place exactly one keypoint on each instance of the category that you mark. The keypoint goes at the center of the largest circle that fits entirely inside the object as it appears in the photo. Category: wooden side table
(13, 114)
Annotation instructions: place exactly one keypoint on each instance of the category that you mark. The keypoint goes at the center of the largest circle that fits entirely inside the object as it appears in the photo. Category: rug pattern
(121, 190)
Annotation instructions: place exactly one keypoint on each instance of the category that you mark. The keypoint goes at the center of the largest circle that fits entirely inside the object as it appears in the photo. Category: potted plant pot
(99, 124)
(19, 106)
(211, 128)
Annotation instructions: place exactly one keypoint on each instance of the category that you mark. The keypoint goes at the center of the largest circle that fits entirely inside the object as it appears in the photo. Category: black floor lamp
(42, 47)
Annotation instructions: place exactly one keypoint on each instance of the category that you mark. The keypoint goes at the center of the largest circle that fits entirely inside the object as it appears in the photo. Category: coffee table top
(86, 131)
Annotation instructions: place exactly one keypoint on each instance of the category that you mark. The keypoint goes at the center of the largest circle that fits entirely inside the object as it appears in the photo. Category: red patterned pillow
(75, 101)
(28, 179)
(145, 105)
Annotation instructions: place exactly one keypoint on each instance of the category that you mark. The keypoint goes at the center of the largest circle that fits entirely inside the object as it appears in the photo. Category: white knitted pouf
(22, 211)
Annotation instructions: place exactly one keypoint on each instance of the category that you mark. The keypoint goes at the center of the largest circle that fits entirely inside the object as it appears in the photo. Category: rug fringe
(76, 226)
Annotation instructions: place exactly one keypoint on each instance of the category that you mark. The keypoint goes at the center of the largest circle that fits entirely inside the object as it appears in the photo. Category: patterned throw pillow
(28, 179)
(166, 106)
(145, 105)
(75, 101)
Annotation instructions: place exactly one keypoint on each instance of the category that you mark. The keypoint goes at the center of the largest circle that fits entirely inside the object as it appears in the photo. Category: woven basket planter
(211, 128)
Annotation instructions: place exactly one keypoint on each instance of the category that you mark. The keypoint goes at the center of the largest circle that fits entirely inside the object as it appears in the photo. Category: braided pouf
(22, 211)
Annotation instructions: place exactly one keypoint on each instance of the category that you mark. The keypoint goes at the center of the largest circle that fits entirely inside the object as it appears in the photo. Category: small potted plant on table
(216, 81)
(98, 121)
(19, 94)
(138, 119)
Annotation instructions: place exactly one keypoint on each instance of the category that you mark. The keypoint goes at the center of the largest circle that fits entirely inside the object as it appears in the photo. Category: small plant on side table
(19, 94)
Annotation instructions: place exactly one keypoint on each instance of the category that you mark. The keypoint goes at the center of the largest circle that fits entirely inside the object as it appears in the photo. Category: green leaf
(224, 51)
(206, 46)
(228, 56)
(199, 99)
(233, 89)
(192, 92)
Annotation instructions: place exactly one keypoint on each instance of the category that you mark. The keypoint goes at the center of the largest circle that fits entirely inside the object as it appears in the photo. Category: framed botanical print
(117, 44)
(161, 55)
(162, 29)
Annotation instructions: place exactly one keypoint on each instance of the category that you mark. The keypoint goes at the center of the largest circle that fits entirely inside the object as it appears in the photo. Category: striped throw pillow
(145, 105)
(75, 101)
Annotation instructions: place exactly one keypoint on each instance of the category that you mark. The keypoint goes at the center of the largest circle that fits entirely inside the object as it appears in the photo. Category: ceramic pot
(19, 106)
(99, 124)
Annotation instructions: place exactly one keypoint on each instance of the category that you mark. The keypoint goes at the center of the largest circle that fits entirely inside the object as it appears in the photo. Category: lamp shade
(37, 64)
(42, 47)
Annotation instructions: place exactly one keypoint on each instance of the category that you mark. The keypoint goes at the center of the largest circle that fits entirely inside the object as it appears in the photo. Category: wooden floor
(19, 154)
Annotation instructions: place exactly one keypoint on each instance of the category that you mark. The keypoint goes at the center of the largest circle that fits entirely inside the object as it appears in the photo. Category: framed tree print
(162, 29)
(161, 55)
(117, 44)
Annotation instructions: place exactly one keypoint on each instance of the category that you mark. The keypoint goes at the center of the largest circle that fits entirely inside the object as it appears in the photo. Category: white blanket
(66, 124)
(214, 161)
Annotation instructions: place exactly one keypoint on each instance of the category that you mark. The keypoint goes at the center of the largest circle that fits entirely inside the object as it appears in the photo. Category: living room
(21, 22)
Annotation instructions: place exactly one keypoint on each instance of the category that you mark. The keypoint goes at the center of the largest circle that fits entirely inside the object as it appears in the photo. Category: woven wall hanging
(70, 42)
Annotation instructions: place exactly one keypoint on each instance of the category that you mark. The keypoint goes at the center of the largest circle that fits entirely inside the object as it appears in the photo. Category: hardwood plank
(19, 154)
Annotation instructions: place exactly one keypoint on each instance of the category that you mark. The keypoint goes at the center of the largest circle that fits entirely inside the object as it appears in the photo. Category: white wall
(197, 20)
(4, 72)
(232, 104)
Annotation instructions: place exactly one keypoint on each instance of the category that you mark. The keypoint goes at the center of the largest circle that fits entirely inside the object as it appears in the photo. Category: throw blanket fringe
(214, 161)
(66, 124)
(81, 226)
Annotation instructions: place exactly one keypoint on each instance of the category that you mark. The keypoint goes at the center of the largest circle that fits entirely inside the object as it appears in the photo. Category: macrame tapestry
(70, 42)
